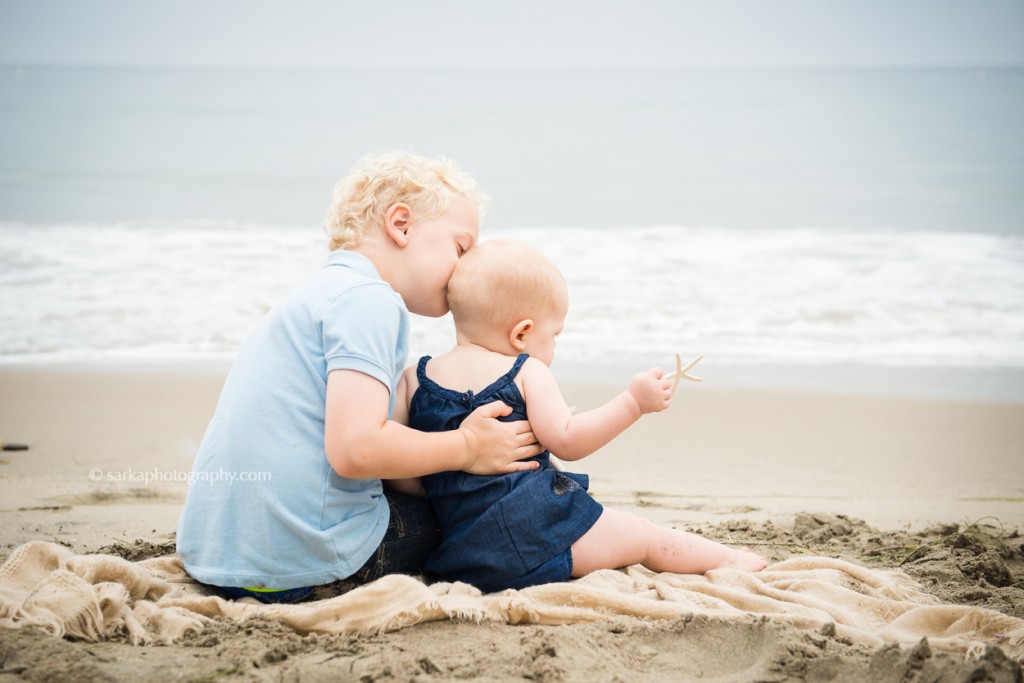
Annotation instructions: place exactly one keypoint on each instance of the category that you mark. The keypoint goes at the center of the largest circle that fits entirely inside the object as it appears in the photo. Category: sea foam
(196, 288)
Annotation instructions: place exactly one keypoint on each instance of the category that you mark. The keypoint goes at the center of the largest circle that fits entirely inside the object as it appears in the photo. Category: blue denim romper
(503, 531)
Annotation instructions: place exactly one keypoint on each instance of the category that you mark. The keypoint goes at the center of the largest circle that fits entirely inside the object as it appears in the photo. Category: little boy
(310, 392)
(530, 527)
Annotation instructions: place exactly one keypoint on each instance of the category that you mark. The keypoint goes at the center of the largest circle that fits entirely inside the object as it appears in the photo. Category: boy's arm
(362, 443)
(571, 437)
(410, 485)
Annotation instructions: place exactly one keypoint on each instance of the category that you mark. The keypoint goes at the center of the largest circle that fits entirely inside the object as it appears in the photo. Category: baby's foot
(746, 560)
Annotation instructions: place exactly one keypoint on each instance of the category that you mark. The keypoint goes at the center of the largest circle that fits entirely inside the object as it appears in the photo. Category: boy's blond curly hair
(376, 183)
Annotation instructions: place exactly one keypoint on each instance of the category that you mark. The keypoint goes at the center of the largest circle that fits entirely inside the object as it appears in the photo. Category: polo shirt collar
(353, 260)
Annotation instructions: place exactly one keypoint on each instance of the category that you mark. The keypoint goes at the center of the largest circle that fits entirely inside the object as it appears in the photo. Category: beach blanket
(93, 597)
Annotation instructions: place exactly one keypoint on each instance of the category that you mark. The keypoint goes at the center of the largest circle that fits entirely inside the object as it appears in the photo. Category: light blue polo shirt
(264, 507)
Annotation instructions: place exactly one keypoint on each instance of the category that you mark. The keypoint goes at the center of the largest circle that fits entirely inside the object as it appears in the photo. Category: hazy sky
(519, 32)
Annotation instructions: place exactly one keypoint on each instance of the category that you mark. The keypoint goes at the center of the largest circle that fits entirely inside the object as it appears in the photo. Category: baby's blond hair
(376, 183)
(501, 282)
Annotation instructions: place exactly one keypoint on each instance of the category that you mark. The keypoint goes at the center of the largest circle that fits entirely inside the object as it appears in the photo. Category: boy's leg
(619, 539)
(413, 533)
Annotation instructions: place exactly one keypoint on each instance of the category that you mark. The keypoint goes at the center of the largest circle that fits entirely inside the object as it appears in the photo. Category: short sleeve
(362, 330)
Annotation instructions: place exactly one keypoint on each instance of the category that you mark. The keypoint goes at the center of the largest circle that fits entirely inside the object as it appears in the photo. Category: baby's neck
(491, 343)
(472, 349)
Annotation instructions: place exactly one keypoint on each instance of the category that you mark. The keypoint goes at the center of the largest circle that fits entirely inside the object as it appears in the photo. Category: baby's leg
(619, 539)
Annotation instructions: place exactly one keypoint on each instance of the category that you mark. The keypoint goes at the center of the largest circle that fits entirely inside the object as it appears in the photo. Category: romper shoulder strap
(518, 365)
(421, 369)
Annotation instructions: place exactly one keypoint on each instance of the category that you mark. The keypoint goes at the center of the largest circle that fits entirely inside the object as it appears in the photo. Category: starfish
(680, 372)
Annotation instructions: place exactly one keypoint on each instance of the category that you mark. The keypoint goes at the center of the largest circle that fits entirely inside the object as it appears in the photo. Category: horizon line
(484, 67)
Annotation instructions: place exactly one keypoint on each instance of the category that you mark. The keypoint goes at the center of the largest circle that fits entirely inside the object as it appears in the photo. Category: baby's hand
(652, 393)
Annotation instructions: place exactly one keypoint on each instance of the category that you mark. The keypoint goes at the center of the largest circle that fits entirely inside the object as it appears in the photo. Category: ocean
(796, 217)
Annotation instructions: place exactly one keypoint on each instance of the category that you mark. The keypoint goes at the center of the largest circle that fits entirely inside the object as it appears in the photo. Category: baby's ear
(396, 223)
(518, 334)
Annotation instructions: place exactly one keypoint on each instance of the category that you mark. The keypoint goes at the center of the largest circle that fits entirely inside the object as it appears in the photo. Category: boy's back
(270, 420)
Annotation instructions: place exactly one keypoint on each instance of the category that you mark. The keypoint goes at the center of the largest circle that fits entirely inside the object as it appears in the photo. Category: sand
(934, 487)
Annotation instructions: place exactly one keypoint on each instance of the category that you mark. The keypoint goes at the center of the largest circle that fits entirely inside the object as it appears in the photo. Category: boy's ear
(396, 223)
(517, 336)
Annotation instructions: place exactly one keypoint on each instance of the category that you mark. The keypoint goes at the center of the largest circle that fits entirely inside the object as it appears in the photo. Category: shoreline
(930, 383)
(982, 384)
(995, 384)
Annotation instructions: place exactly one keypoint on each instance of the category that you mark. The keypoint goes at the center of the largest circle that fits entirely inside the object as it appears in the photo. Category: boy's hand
(651, 393)
(494, 447)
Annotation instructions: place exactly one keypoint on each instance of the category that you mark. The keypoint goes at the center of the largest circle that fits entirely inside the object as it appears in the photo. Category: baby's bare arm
(406, 387)
(571, 437)
(411, 485)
